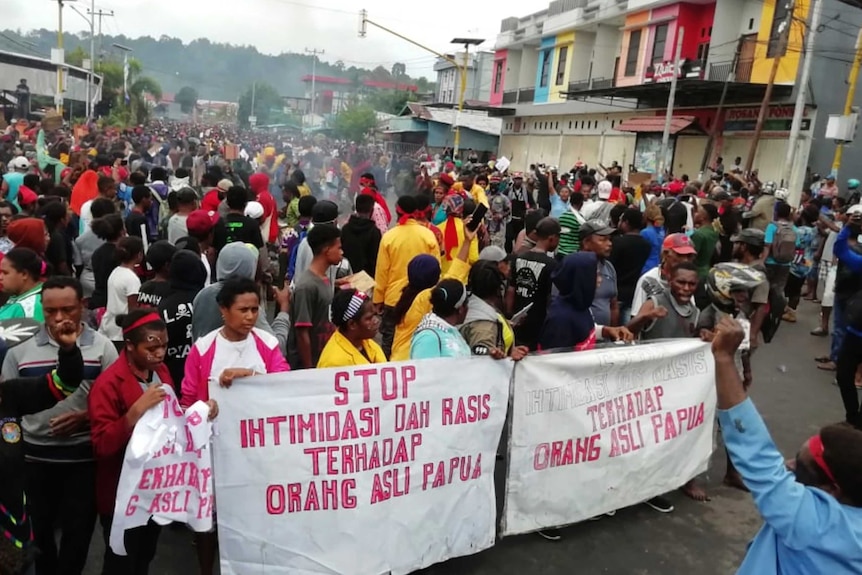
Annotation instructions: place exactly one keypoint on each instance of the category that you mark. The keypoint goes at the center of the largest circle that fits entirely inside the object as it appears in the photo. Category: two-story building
(589, 81)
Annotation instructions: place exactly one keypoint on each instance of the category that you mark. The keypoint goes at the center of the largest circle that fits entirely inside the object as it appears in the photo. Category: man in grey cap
(596, 238)
(748, 247)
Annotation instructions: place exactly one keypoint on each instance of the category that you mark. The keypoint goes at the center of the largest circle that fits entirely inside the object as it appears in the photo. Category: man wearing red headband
(381, 215)
(813, 509)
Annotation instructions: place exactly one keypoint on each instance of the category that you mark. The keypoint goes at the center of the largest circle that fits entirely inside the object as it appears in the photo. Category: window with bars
(498, 75)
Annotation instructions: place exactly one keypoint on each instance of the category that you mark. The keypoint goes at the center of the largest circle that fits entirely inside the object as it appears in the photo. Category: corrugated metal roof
(477, 122)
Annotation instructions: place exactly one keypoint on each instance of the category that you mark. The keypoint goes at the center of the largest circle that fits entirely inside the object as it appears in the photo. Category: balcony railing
(592, 84)
(720, 71)
(510, 97)
(526, 95)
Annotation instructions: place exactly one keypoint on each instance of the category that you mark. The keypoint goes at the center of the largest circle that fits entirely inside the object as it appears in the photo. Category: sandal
(828, 366)
(819, 332)
(823, 359)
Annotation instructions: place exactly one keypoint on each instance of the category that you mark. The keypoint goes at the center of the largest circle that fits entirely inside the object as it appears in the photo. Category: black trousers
(387, 329)
(140, 542)
(513, 228)
(849, 358)
(61, 496)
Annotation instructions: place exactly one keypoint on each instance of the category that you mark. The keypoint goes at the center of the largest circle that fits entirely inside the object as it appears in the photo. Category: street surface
(704, 538)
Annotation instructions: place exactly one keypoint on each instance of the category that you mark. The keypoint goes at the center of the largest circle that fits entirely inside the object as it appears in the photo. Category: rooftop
(476, 122)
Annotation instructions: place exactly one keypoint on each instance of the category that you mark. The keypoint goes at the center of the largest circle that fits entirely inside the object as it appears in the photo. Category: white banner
(167, 471)
(361, 470)
(597, 431)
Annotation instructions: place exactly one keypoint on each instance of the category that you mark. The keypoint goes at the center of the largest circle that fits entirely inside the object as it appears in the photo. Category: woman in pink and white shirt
(235, 350)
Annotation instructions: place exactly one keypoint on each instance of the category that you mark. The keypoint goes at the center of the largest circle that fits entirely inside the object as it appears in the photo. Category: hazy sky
(275, 26)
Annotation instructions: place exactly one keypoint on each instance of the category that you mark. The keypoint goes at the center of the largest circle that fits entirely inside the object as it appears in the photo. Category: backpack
(784, 243)
(164, 212)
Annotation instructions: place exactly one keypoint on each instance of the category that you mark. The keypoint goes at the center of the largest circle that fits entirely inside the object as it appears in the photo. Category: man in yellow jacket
(397, 248)
(475, 191)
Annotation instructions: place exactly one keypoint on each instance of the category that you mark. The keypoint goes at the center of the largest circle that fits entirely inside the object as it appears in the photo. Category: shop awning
(655, 124)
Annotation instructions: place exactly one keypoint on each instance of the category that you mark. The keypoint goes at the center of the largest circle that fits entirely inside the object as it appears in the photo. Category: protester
(437, 333)
(352, 342)
(119, 398)
(123, 288)
(20, 397)
(361, 238)
(596, 238)
(485, 329)
(453, 230)
(397, 249)
(676, 248)
(629, 254)
(811, 511)
(158, 259)
(311, 327)
(22, 272)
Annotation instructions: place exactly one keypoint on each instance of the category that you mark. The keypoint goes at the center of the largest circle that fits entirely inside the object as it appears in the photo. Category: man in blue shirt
(813, 508)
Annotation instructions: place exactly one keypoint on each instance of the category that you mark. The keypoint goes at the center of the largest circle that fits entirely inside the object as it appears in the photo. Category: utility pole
(801, 98)
(719, 120)
(852, 79)
(252, 119)
(668, 118)
(784, 34)
(314, 54)
(99, 14)
(60, 60)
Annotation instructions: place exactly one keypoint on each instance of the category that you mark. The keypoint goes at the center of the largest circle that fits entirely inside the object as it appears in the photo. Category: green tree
(76, 57)
(390, 101)
(354, 122)
(187, 97)
(136, 111)
(266, 99)
(399, 71)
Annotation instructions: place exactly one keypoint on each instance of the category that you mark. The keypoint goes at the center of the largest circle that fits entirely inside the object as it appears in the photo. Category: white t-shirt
(641, 294)
(85, 218)
(122, 283)
(230, 354)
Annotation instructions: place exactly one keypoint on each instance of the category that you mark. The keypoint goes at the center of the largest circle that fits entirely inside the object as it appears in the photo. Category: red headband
(815, 446)
(415, 214)
(149, 318)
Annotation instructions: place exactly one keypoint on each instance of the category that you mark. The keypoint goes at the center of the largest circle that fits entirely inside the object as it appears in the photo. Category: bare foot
(734, 479)
(694, 491)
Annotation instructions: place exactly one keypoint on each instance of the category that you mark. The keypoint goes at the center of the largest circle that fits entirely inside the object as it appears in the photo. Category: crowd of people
(176, 255)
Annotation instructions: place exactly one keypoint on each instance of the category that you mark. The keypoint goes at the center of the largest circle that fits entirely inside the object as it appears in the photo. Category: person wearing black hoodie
(187, 277)
(360, 238)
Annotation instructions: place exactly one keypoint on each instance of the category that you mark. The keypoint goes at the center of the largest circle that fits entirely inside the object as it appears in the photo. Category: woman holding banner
(235, 350)
(353, 342)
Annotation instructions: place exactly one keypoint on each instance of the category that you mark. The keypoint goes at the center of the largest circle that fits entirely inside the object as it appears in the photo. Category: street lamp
(92, 22)
(462, 67)
(466, 42)
(58, 57)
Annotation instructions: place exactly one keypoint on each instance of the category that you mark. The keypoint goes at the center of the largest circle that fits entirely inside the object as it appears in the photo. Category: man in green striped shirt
(570, 224)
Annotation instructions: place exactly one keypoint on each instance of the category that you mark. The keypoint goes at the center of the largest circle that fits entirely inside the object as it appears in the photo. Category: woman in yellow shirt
(453, 231)
(353, 342)
(423, 274)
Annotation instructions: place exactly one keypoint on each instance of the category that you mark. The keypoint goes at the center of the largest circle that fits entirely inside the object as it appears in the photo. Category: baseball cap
(679, 243)
(254, 210)
(492, 254)
(854, 210)
(224, 185)
(605, 188)
(595, 228)
(26, 196)
(721, 196)
(200, 222)
(750, 236)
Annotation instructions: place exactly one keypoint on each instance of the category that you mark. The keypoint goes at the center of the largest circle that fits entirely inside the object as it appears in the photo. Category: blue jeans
(839, 328)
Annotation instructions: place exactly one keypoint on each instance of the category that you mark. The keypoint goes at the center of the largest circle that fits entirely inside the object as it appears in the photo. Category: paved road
(703, 538)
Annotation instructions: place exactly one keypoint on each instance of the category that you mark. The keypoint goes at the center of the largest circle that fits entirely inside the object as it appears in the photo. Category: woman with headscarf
(381, 215)
(423, 273)
(454, 232)
(569, 323)
(437, 334)
(357, 323)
